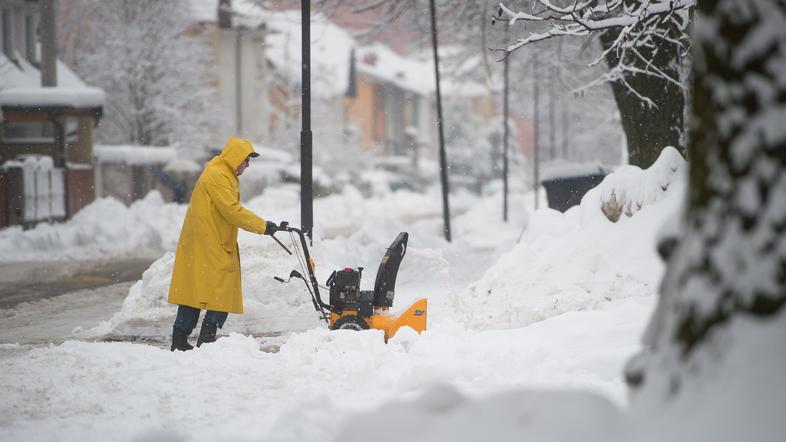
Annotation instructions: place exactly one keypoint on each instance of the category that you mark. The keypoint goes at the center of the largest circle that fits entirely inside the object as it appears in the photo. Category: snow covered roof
(381, 62)
(183, 165)
(565, 169)
(331, 48)
(87, 97)
(134, 155)
(246, 13)
(20, 85)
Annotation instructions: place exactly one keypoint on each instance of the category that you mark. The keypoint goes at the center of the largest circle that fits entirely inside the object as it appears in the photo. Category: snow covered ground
(561, 309)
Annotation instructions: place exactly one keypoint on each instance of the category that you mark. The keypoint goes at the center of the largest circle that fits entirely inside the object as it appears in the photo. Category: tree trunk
(731, 260)
(737, 196)
(649, 129)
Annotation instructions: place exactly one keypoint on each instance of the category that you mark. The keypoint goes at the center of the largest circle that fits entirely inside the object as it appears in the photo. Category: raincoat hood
(235, 151)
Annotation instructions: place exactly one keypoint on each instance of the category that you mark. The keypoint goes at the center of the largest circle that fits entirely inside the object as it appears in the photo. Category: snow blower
(350, 308)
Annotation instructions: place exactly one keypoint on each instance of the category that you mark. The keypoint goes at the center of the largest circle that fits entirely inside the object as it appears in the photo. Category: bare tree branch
(642, 27)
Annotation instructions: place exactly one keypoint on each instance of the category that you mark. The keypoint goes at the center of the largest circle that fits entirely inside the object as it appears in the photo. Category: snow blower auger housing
(350, 308)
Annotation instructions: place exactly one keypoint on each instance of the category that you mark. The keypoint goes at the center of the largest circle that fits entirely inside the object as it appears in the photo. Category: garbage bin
(565, 191)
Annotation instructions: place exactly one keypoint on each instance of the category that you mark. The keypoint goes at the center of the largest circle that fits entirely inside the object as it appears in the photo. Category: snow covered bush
(630, 188)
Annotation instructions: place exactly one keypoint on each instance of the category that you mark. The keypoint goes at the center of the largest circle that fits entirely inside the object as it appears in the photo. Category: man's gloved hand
(270, 228)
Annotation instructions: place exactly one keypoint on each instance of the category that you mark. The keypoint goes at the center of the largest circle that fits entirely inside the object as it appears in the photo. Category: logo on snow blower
(419, 312)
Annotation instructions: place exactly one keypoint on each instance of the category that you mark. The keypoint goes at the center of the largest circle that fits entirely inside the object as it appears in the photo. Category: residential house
(46, 123)
(381, 98)
(237, 48)
(392, 102)
(367, 95)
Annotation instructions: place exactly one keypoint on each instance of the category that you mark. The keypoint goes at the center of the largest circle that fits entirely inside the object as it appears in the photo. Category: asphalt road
(35, 281)
(44, 303)
(58, 318)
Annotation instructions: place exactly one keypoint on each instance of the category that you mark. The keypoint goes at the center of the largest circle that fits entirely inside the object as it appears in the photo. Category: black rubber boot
(207, 333)
(180, 340)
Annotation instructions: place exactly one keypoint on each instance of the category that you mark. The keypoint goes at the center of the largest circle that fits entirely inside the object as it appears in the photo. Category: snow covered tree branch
(640, 26)
(646, 47)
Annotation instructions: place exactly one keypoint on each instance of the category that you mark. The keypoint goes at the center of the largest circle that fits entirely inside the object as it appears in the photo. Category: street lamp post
(505, 136)
(306, 188)
(443, 166)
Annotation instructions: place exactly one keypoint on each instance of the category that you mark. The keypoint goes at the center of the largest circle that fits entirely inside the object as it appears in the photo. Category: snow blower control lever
(349, 307)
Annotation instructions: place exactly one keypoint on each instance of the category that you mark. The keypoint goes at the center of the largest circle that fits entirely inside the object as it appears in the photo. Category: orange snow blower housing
(350, 308)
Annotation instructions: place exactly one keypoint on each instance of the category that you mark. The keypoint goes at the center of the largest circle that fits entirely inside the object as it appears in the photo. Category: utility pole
(48, 44)
(535, 131)
(505, 135)
(552, 119)
(306, 188)
(443, 164)
(563, 108)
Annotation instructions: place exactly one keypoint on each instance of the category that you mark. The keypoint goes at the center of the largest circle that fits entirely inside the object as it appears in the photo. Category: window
(28, 132)
(35, 132)
(30, 32)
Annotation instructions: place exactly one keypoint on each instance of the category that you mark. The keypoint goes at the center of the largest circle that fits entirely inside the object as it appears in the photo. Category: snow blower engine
(351, 308)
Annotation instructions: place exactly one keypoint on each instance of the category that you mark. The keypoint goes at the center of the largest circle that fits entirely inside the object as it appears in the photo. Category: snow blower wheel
(350, 308)
(349, 323)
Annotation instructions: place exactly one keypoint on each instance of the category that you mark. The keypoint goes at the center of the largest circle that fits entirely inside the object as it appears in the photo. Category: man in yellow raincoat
(206, 274)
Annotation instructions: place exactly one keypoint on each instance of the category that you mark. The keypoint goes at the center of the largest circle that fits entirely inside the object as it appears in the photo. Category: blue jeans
(187, 318)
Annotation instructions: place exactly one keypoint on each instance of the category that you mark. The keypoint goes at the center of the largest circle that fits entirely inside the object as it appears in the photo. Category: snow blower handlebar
(281, 244)
(311, 284)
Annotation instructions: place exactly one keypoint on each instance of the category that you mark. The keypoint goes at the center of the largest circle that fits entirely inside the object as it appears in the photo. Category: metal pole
(443, 166)
(306, 188)
(505, 138)
(48, 44)
(552, 118)
(563, 109)
(238, 82)
(536, 136)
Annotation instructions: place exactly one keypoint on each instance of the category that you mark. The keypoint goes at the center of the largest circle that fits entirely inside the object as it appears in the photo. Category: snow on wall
(134, 155)
(85, 97)
(565, 169)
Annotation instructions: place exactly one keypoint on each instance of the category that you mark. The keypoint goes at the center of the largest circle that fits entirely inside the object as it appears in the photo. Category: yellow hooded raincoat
(207, 262)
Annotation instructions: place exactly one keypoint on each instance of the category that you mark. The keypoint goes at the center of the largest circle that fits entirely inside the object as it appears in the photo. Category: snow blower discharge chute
(350, 308)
